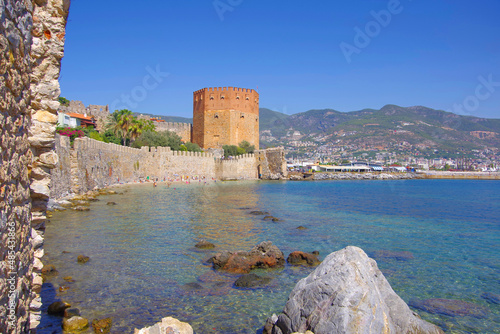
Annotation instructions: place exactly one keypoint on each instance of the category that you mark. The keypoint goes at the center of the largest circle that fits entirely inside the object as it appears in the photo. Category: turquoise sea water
(143, 261)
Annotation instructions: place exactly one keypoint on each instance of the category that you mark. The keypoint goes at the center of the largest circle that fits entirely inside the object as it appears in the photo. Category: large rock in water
(264, 255)
(347, 293)
(167, 325)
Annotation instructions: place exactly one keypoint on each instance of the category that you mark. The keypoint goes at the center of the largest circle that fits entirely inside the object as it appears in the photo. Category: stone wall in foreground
(15, 250)
(47, 51)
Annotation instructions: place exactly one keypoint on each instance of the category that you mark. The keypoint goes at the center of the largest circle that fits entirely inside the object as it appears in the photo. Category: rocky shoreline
(365, 176)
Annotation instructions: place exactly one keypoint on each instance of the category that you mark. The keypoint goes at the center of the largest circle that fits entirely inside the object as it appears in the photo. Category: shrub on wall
(72, 133)
(233, 150)
(159, 139)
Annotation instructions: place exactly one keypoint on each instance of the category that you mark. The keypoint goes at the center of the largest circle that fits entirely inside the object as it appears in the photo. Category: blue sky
(150, 56)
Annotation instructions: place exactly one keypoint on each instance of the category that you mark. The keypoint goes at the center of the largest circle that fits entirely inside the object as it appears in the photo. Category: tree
(63, 101)
(247, 147)
(120, 122)
(192, 147)
(159, 139)
(230, 150)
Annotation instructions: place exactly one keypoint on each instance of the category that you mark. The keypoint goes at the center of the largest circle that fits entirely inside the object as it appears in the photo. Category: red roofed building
(73, 120)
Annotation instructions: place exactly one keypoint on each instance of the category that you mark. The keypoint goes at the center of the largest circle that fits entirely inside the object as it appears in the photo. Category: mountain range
(419, 129)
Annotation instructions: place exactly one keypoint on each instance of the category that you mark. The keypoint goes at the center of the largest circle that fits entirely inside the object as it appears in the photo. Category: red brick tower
(225, 116)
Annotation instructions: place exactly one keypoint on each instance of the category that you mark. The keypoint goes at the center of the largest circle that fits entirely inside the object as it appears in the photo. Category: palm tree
(120, 122)
(136, 127)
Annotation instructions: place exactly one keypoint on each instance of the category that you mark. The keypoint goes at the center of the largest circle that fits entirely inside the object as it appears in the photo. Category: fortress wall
(62, 171)
(96, 164)
(243, 167)
(271, 163)
(184, 130)
(16, 253)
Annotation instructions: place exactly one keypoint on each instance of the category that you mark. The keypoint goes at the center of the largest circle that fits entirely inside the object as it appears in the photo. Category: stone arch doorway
(259, 171)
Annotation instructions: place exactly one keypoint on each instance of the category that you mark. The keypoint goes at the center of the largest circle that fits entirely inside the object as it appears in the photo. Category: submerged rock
(102, 326)
(71, 312)
(82, 259)
(251, 281)
(347, 293)
(49, 269)
(259, 213)
(167, 325)
(274, 219)
(491, 297)
(75, 324)
(58, 308)
(193, 286)
(299, 258)
(63, 288)
(82, 208)
(301, 228)
(111, 203)
(203, 244)
(450, 307)
(265, 255)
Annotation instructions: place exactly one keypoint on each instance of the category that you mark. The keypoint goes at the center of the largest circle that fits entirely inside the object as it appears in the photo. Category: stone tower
(225, 116)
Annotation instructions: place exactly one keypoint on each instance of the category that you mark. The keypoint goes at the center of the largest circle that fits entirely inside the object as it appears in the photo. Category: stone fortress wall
(32, 38)
(93, 164)
(184, 130)
(225, 116)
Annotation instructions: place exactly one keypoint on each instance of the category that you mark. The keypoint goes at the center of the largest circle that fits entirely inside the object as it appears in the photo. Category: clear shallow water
(142, 250)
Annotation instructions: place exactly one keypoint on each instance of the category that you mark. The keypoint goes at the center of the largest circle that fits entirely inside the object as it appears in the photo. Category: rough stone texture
(16, 255)
(299, 258)
(47, 50)
(167, 325)
(264, 255)
(75, 324)
(225, 116)
(347, 293)
(60, 185)
(271, 163)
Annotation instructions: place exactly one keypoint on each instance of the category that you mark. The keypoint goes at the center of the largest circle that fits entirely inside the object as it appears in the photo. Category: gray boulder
(347, 293)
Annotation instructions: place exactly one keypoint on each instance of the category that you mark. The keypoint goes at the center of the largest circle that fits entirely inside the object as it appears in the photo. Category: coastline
(461, 175)
(318, 176)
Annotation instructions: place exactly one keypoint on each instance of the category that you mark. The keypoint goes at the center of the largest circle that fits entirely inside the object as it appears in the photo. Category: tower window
(237, 97)
(216, 116)
(222, 97)
(211, 97)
